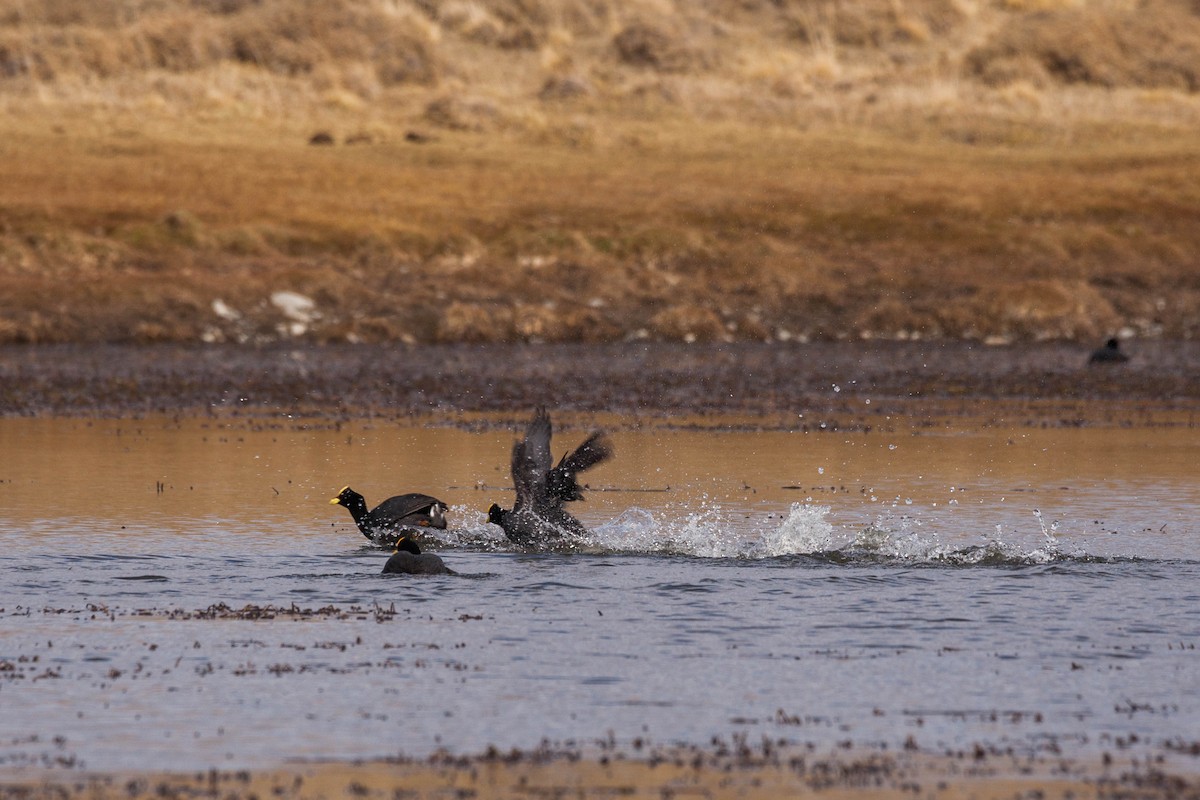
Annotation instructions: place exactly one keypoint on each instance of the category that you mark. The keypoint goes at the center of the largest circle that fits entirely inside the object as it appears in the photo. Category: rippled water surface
(1032, 589)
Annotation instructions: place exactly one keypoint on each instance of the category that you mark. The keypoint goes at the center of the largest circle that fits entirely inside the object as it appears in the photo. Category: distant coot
(409, 560)
(388, 520)
(1110, 353)
(538, 517)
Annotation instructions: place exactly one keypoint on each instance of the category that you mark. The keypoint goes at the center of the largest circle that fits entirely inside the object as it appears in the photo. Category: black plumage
(409, 560)
(1110, 353)
(394, 516)
(538, 516)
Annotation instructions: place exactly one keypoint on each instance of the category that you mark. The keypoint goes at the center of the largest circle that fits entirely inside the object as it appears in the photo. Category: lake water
(1031, 589)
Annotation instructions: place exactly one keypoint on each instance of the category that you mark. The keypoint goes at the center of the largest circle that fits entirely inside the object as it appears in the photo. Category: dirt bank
(827, 386)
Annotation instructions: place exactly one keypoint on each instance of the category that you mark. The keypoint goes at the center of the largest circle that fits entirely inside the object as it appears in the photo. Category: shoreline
(719, 770)
(816, 386)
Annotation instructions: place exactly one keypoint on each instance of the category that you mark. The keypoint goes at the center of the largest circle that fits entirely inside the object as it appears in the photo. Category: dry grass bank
(598, 169)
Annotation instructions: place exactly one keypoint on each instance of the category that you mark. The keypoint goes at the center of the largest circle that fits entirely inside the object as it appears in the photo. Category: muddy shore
(821, 386)
(716, 771)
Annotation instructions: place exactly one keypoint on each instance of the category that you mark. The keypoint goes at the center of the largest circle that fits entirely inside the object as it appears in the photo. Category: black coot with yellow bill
(385, 523)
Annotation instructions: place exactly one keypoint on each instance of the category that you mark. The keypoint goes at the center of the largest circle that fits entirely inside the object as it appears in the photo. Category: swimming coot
(409, 560)
(538, 517)
(1110, 353)
(404, 512)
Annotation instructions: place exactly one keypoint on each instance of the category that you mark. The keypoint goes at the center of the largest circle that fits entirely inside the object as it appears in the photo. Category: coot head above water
(409, 560)
(1110, 353)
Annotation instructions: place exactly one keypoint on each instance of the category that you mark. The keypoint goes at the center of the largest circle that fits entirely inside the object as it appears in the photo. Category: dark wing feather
(531, 462)
(562, 483)
(537, 440)
(594, 449)
(524, 476)
(403, 505)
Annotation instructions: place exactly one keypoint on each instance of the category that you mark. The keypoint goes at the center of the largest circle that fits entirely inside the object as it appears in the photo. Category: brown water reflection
(161, 475)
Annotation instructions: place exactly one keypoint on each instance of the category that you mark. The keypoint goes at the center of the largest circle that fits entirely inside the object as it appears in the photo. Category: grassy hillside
(598, 169)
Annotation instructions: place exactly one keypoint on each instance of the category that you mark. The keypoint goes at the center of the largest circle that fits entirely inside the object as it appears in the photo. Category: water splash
(1051, 550)
(714, 531)
(900, 539)
(469, 529)
(697, 531)
(704, 528)
(806, 529)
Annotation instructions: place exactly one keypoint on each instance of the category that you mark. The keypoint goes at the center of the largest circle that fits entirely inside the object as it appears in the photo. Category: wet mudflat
(178, 594)
(832, 384)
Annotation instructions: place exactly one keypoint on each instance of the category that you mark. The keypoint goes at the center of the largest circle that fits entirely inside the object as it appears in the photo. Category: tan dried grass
(1153, 45)
(825, 172)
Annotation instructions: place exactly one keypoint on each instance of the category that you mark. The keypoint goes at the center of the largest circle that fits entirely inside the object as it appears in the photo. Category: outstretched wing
(531, 461)
(562, 483)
